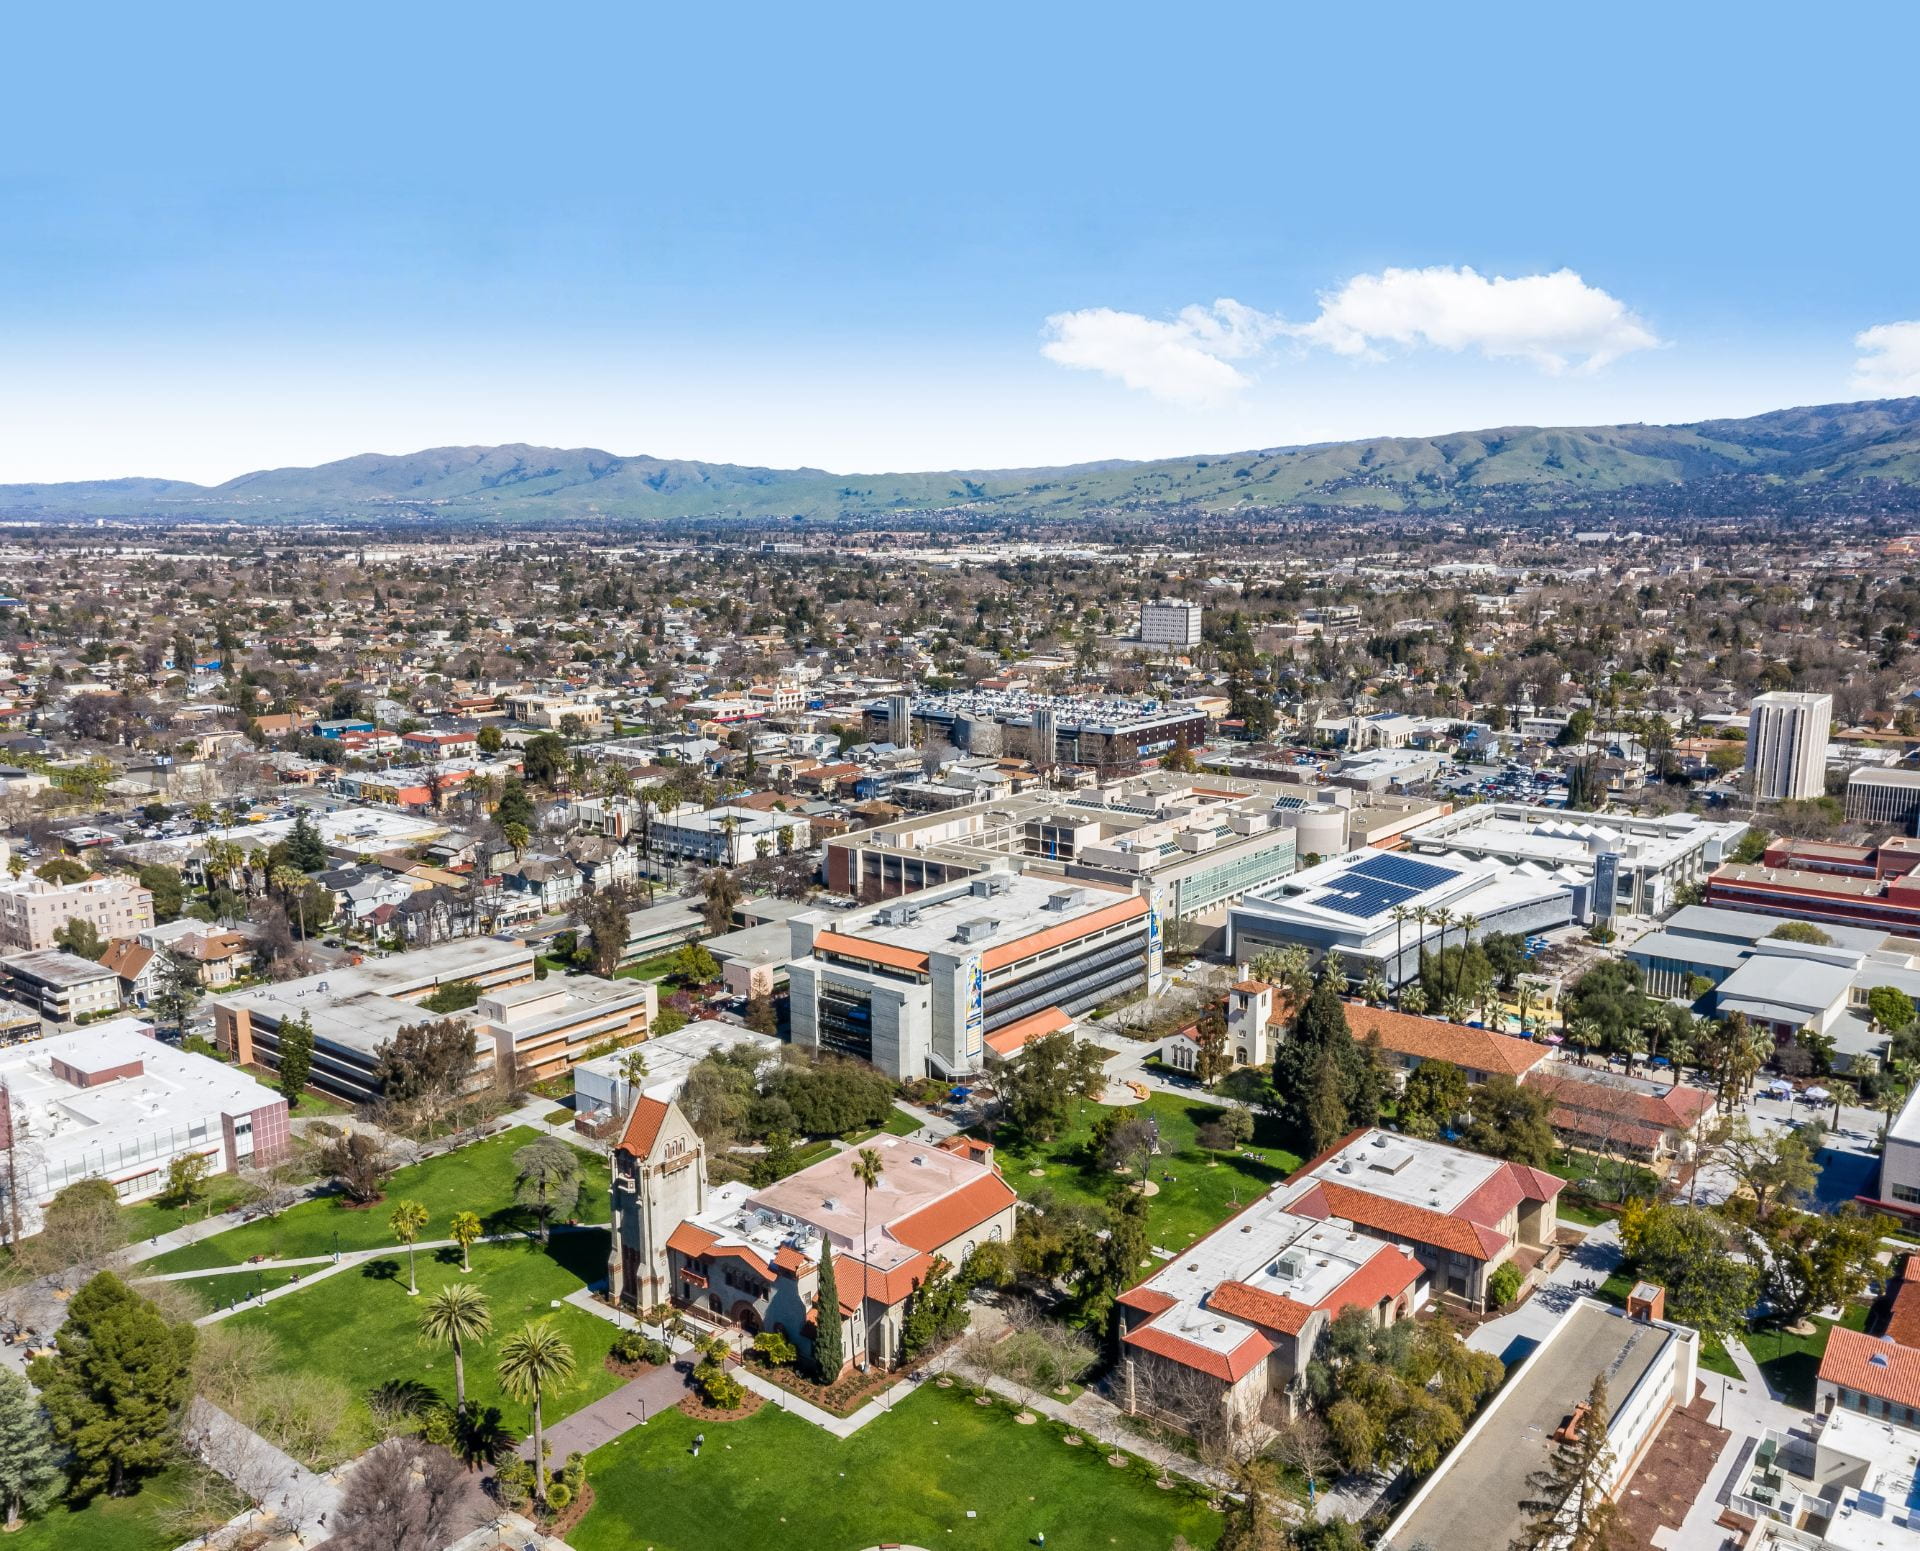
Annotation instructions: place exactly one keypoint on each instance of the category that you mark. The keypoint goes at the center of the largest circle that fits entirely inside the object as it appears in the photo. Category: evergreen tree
(1324, 1109)
(305, 849)
(829, 1354)
(1569, 1508)
(29, 1468)
(115, 1388)
(296, 1057)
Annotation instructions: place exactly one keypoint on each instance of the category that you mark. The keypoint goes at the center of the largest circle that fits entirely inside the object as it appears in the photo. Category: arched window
(993, 1233)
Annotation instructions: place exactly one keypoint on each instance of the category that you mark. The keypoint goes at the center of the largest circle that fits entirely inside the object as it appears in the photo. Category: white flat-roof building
(111, 1102)
(1787, 745)
(1473, 1501)
(915, 985)
(529, 1027)
(599, 1089)
(1360, 905)
(1170, 623)
(33, 911)
(1650, 858)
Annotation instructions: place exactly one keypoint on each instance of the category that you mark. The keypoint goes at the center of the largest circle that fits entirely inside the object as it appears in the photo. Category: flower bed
(750, 1402)
(843, 1397)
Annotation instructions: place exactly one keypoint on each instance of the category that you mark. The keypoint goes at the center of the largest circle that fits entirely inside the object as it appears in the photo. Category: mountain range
(1826, 457)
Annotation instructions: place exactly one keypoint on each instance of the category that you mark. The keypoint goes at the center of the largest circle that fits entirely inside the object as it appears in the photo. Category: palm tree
(532, 1360)
(1399, 914)
(866, 1169)
(1468, 923)
(453, 1316)
(1374, 988)
(1415, 1000)
(1442, 918)
(286, 881)
(463, 1230)
(516, 836)
(406, 1220)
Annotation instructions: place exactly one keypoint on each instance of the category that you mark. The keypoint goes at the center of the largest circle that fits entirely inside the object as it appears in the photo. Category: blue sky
(905, 237)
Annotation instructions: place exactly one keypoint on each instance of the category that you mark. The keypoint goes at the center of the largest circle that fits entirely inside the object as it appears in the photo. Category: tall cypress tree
(829, 1351)
(29, 1469)
(296, 1057)
(115, 1388)
(1570, 1509)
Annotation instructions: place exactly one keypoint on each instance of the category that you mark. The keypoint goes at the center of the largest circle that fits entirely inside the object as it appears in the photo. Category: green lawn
(149, 1219)
(1204, 1188)
(478, 1178)
(912, 1477)
(897, 1124)
(656, 968)
(135, 1523)
(359, 1326)
(1792, 1363)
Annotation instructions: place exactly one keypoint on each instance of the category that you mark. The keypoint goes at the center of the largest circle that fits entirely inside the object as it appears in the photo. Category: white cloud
(1557, 321)
(1891, 364)
(1184, 361)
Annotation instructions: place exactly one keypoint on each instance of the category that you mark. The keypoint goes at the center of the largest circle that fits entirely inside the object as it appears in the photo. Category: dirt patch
(1145, 1187)
(1670, 1476)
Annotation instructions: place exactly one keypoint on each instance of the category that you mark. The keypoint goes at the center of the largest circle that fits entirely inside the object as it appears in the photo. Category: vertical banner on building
(1606, 885)
(976, 1008)
(1154, 951)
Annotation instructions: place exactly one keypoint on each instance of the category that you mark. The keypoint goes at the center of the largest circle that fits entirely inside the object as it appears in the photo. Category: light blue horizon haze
(235, 237)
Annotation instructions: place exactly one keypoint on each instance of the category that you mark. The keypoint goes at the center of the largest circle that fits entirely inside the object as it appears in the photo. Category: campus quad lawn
(477, 1178)
(1205, 1186)
(109, 1523)
(360, 1327)
(908, 1477)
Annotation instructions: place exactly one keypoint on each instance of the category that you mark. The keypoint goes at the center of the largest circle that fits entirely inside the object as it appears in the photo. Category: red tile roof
(853, 1278)
(1435, 1039)
(1149, 1300)
(1390, 1273)
(691, 1239)
(1228, 1366)
(1400, 1220)
(1584, 1104)
(1260, 1307)
(1873, 1365)
(643, 1127)
(954, 1215)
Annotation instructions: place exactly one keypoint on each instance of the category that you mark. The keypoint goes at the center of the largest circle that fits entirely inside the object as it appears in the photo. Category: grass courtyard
(1792, 1362)
(359, 1326)
(478, 1178)
(1204, 1189)
(141, 1522)
(912, 1476)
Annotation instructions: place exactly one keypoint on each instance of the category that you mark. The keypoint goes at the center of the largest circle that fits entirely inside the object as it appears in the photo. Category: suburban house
(138, 966)
(750, 1257)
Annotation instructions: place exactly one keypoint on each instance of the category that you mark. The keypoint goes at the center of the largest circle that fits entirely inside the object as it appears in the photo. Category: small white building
(111, 1102)
(598, 1087)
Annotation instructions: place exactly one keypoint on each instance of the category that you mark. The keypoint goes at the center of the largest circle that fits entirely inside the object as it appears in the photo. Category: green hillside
(1827, 450)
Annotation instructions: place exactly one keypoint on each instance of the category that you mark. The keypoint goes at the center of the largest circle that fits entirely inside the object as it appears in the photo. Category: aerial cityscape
(683, 867)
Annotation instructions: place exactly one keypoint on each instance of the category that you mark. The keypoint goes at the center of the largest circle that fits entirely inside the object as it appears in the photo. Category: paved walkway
(1583, 1268)
(632, 1405)
(266, 1475)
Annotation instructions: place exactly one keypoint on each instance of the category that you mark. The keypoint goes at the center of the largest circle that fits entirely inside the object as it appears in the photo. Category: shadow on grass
(380, 1270)
(580, 1252)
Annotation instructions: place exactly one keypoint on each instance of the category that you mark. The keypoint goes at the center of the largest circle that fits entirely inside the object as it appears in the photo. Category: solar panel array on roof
(1364, 897)
(1404, 870)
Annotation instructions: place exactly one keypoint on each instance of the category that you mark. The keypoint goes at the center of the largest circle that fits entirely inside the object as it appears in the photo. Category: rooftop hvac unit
(1065, 900)
(977, 930)
(1289, 1265)
(990, 885)
(896, 915)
